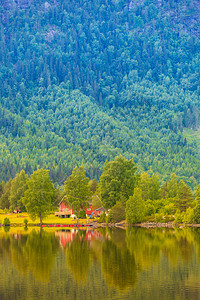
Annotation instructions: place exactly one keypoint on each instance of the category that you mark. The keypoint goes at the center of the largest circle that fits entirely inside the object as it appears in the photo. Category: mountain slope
(84, 81)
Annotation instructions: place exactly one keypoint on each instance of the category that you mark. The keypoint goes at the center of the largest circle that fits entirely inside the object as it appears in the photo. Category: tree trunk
(40, 220)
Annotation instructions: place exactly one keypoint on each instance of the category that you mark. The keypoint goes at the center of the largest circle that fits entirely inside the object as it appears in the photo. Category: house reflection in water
(68, 236)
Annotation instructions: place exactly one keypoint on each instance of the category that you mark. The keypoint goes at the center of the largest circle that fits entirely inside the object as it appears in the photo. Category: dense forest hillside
(84, 81)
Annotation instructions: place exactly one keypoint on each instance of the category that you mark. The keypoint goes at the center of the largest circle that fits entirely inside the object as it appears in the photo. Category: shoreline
(95, 225)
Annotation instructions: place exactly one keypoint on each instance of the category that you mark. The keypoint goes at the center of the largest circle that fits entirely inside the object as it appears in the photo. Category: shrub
(158, 217)
(6, 222)
(82, 214)
(102, 218)
(135, 208)
(169, 209)
(196, 214)
(150, 209)
(25, 222)
(179, 217)
(117, 213)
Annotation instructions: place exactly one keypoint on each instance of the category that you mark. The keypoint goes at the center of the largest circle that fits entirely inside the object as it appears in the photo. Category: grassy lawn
(18, 219)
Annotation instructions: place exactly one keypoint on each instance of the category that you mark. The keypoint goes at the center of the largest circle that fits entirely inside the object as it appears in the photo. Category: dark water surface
(101, 264)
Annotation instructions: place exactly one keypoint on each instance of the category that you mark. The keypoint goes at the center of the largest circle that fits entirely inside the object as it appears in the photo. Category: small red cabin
(66, 211)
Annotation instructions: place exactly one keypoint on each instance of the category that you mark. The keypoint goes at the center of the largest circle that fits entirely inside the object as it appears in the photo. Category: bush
(82, 214)
(179, 217)
(6, 222)
(135, 208)
(169, 209)
(117, 213)
(150, 209)
(25, 222)
(196, 214)
(158, 218)
(102, 218)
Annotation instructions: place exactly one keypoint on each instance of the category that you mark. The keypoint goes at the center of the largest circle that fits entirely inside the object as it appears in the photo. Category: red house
(66, 211)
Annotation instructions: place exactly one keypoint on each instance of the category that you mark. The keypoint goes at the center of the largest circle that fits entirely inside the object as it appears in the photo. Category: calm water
(102, 264)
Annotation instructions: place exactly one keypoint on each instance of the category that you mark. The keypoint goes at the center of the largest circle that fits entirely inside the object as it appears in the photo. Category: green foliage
(39, 195)
(6, 221)
(169, 209)
(96, 201)
(189, 216)
(82, 214)
(149, 208)
(127, 83)
(149, 186)
(102, 218)
(196, 214)
(184, 196)
(17, 190)
(93, 185)
(25, 222)
(77, 190)
(117, 181)
(117, 213)
(158, 217)
(135, 207)
(5, 195)
(179, 216)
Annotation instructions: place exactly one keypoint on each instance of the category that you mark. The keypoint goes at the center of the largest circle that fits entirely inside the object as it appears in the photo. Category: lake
(135, 263)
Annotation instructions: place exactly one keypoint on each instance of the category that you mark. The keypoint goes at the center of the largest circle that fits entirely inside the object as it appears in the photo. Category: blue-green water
(102, 264)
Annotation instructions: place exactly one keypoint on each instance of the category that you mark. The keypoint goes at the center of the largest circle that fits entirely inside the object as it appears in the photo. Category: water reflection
(114, 264)
(33, 252)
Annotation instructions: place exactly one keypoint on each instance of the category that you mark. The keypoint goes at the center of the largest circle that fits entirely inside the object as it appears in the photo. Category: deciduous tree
(77, 190)
(38, 197)
(117, 181)
(135, 207)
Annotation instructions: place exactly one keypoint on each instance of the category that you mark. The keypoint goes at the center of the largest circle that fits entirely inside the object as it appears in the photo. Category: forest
(122, 191)
(82, 82)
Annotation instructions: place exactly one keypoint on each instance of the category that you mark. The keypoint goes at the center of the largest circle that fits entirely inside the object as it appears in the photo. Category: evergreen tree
(184, 196)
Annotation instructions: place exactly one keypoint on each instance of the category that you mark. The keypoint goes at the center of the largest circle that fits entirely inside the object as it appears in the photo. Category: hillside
(83, 81)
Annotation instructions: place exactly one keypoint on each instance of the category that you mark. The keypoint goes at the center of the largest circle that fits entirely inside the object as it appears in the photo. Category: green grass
(18, 219)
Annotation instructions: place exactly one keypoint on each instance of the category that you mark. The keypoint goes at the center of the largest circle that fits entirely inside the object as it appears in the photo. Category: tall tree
(77, 190)
(18, 188)
(170, 188)
(135, 207)
(38, 197)
(117, 181)
(149, 186)
(184, 197)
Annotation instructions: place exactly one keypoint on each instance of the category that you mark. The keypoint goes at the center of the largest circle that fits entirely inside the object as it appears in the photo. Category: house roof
(100, 209)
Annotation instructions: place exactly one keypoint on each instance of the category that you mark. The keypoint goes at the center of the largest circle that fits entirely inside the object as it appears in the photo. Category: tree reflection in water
(78, 257)
(31, 252)
(116, 260)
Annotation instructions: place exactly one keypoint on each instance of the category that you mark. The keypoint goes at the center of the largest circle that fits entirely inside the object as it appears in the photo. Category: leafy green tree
(38, 197)
(149, 186)
(5, 195)
(135, 207)
(18, 188)
(93, 184)
(117, 181)
(117, 212)
(198, 193)
(77, 190)
(196, 214)
(170, 188)
(184, 196)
